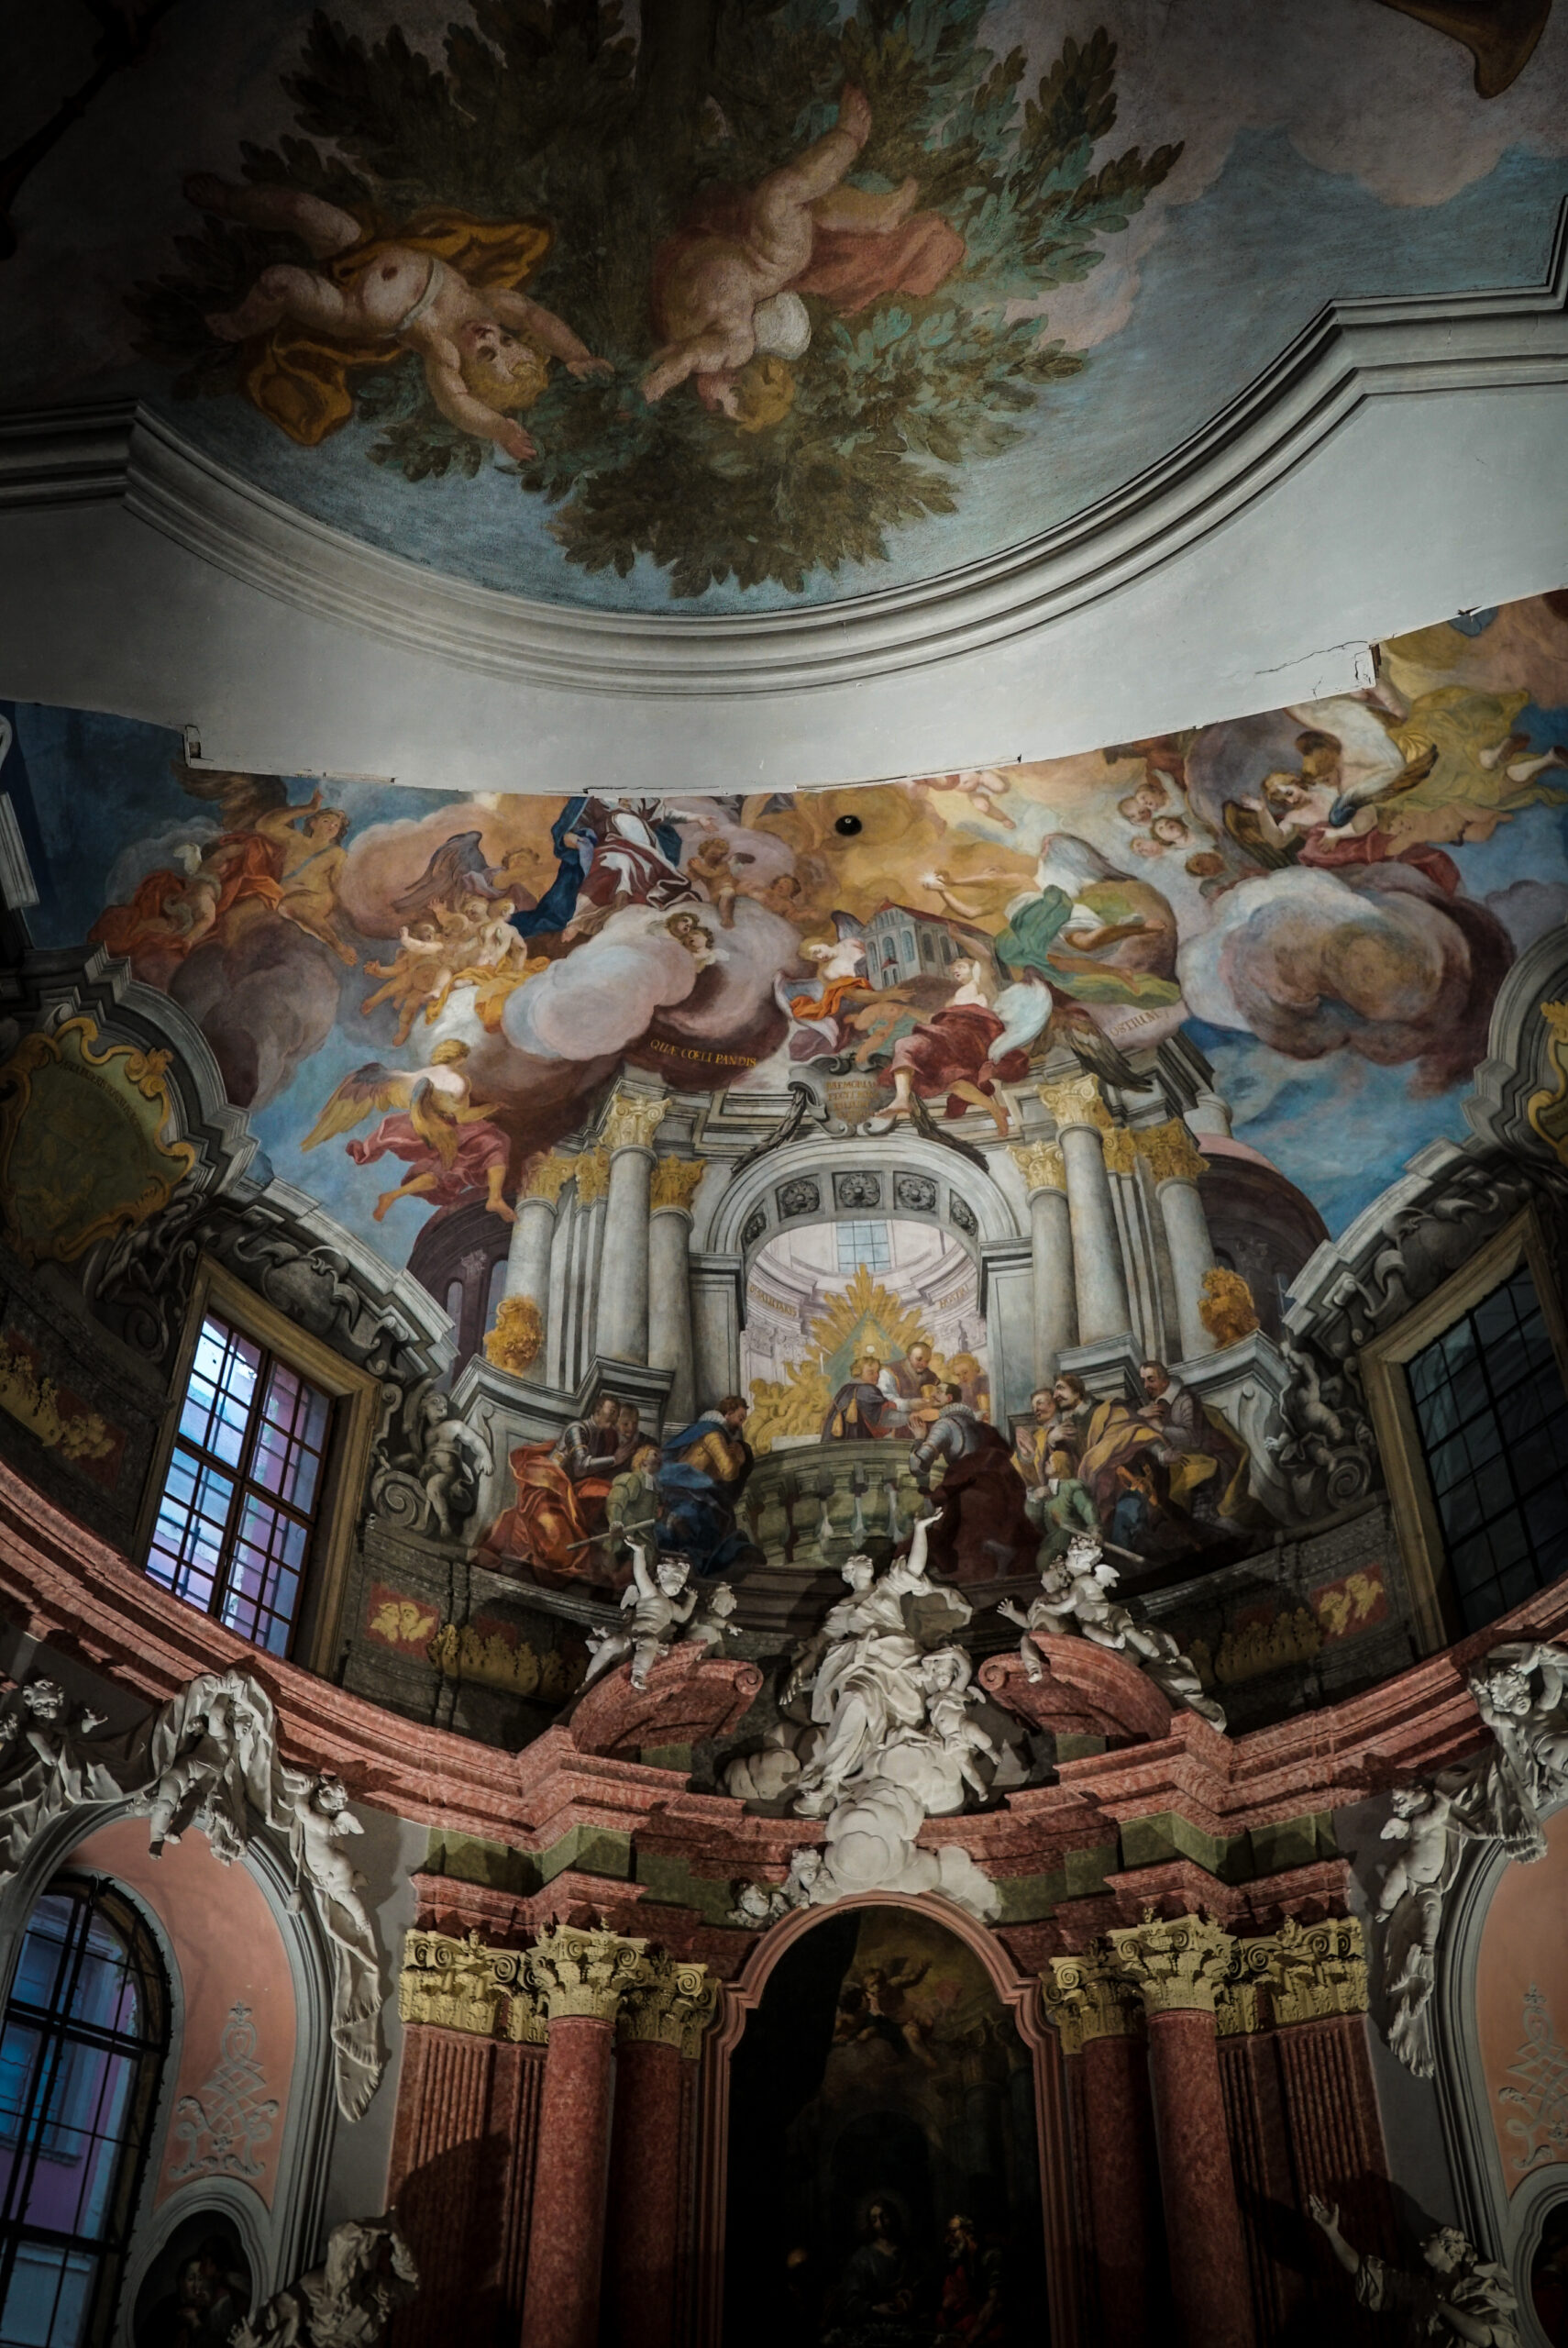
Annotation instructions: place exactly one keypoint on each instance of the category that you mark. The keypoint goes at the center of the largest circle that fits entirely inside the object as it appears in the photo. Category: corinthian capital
(633, 1119)
(549, 1178)
(1173, 1155)
(1075, 1100)
(1042, 1165)
(1086, 1998)
(676, 1181)
(593, 1171)
(671, 2003)
(582, 1972)
(1176, 1964)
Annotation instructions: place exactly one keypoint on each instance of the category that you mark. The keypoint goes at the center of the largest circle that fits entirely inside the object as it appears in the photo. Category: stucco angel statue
(367, 2274)
(1075, 1596)
(659, 1605)
(47, 1766)
(1461, 2296)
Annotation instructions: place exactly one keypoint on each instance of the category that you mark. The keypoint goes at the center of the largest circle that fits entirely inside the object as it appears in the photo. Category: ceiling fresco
(417, 996)
(726, 309)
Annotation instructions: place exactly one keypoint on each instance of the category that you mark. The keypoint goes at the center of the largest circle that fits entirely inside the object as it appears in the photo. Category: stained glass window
(86, 2029)
(1493, 1423)
(244, 1486)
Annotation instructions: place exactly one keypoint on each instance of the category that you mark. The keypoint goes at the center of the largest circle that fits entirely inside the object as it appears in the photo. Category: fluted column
(1098, 1279)
(1100, 2022)
(1176, 1967)
(622, 1321)
(580, 1978)
(674, 1186)
(1176, 1162)
(1044, 1169)
(663, 2016)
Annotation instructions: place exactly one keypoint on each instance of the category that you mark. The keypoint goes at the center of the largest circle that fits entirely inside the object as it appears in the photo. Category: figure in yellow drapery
(442, 283)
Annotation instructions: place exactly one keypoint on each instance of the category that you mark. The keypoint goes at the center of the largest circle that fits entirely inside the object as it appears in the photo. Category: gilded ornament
(83, 1146)
(549, 1178)
(1225, 1305)
(632, 1120)
(515, 1341)
(1041, 1163)
(675, 1182)
(1172, 1154)
(1548, 1111)
(671, 2003)
(1086, 2000)
(1120, 1149)
(1176, 1964)
(462, 1984)
(1075, 1100)
(593, 1171)
(578, 1972)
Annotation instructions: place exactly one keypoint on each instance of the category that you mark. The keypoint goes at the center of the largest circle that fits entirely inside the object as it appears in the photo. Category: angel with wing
(459, 869)
(447, 1139)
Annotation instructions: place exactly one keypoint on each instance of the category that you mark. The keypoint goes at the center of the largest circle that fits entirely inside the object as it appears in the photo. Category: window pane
(218, 1399)
(47, 2304)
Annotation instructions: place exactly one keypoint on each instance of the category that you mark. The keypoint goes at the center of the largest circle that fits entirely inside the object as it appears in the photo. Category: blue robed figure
(555, 907)
(703, 1473)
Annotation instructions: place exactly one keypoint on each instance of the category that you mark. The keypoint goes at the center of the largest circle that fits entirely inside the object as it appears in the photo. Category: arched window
(86, 2032)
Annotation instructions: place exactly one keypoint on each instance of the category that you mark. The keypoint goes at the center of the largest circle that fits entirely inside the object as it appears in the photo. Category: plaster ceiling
(1046, 251)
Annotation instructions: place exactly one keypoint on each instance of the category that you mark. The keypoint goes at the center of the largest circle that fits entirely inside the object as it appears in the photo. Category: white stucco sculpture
(1075, 1596)
(212, 1756)
(319, 1819)
(1521, 1691)
(51, 1763)
(347, 2302)
(1461, 2297)
(659, 1605)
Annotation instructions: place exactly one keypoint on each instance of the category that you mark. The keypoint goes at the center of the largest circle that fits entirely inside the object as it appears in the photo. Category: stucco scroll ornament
(1521, 1693)
(427, 1464)
(1461, 2296)
(1324, 1449)
(48, 1763)
(346, 2302)
(1075, 1596)
(890, 1742)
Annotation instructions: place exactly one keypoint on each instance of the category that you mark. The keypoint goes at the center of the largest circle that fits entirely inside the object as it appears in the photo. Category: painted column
(674, 1186)
(662, 2023)
(528, 1265)
(1176, 1162)
(1100, 2022)
(1177, 1966)
(620, 1323)
(580, 1978)
(1044, 1169)
(1099, 1283)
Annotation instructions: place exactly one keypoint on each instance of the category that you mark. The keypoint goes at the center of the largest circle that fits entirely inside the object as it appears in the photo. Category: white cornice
(1353, 353)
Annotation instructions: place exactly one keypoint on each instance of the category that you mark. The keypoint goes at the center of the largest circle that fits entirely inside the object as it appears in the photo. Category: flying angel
(434, 1125)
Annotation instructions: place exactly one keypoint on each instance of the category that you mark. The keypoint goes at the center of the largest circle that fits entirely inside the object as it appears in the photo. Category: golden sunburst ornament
(864, 1317)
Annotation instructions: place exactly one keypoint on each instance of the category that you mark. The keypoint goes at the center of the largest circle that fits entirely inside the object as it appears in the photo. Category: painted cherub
(659, 1604)
(708, 863)
(486, 351)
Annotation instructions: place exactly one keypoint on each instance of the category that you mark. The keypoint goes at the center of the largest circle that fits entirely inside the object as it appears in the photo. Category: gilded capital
(632, 1120)
(1121, 1150)
(593, 1171)
(1086, 2000)
(463, 1985)
(1176, 1965)
(549, 1178)
(581, 1972)
(676, 1181)
(518, 1333)
(1302, 1972)
(1042, 1165)
(671, 2003)
(1075, 1100)
(1172, 1154)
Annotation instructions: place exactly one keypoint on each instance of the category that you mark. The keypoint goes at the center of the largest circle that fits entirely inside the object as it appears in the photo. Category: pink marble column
(662, 2018)
(1121, 2161)
(579, 1978)
(1176, 1965)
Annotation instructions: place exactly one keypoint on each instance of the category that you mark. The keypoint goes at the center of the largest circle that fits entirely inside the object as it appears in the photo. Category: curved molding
(822, 1157)
(1354, 352)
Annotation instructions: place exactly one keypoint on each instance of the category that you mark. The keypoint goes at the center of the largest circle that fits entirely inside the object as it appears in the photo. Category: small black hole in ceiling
(848, 825)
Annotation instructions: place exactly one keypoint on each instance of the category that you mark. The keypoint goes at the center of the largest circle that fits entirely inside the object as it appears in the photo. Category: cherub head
(721, 1601)
(1409, 1801)
(1171, 831)
(1505, 1689)
(500, 368)
(329, 1795)
(1085, 1558)
(671, 1574)
(45, 1699)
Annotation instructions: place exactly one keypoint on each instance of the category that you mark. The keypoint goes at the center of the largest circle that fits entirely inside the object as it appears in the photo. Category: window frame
(145, 2121)
(355, 1396)
(1417, 1525)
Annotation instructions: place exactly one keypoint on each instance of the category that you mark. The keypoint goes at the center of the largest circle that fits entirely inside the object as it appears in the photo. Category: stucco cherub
(659, 1604)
